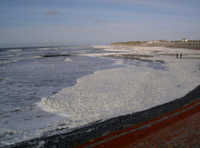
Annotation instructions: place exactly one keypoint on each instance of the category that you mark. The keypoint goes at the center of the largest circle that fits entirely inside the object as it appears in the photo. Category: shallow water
(25, 78)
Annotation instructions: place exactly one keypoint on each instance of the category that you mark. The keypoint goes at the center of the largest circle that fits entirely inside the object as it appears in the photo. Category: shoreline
(100, 127)
(145, 53)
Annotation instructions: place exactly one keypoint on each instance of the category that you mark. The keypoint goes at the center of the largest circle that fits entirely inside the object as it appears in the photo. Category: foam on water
(44, 48)
(114, 92)
(49, 48)
(68, 60)
(15, 50)
(9, 61)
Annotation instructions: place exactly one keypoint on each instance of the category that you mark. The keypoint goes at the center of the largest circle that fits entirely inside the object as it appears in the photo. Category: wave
(49, 48)
(118, 62)
(36, 57)
(55, 55)
(15, 50)
(7, 62)
(68, 60)
(43, 48)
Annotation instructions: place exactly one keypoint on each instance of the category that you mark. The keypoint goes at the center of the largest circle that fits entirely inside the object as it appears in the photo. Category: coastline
(78, 135)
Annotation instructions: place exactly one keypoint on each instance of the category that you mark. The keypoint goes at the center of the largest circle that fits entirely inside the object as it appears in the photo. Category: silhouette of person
(177, 55)
(181, 55)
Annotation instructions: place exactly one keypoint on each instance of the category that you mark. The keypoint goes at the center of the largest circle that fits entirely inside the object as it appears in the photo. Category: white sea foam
(68, 60)
(118, 62)
(9, 61)
(44, 48)
(36, 57)
(15, 50)
(114, 92)
(101, 54)
(50, 48)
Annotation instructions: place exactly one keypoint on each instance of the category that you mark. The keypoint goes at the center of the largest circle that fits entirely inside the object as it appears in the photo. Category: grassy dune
(190, 44)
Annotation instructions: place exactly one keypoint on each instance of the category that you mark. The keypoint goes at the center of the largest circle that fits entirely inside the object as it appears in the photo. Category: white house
(184, 40)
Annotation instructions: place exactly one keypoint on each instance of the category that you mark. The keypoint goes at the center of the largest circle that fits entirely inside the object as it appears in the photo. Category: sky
(97, 21)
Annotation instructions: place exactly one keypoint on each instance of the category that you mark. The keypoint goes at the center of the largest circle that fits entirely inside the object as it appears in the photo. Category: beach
(89, 89)
(129, 88)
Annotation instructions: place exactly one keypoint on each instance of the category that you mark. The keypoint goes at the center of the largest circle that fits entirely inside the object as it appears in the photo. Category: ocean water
(26, 77)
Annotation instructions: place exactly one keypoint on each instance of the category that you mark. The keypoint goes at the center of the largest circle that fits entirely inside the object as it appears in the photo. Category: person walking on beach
(181, 55)
(177, 55)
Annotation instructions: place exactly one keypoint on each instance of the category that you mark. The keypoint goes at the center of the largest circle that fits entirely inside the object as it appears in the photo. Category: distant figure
(181, 55)
(177, 55)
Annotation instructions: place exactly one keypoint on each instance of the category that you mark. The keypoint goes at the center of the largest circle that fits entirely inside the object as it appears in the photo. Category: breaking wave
(15, 50)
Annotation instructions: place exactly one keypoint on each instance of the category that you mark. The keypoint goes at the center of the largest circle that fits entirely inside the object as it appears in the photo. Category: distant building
(185, 40)
(153, 41)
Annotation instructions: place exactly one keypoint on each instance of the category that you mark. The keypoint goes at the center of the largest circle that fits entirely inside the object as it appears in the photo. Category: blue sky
(97, 21)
